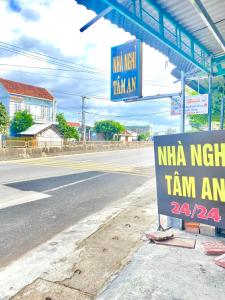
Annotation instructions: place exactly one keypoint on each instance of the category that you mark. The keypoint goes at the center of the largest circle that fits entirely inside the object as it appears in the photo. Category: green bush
(21, 121)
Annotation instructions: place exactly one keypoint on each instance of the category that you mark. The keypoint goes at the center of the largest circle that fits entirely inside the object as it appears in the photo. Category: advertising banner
(126, 71)
(194, 105)
(190, 176)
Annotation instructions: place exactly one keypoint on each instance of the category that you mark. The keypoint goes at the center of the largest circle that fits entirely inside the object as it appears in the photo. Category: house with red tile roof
(74, 124)
(38, 101)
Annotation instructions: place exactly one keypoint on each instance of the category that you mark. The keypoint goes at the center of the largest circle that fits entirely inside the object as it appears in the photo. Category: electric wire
(57, 61)
(78, 78)
(55, 75)
(36, 54)
(127, 116)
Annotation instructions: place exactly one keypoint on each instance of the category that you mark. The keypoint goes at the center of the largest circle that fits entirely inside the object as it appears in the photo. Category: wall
(77, 147)
(4, 97)
(49, 137)
(34, 106)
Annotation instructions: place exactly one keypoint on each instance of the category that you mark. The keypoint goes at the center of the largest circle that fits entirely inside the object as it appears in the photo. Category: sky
(71, 64)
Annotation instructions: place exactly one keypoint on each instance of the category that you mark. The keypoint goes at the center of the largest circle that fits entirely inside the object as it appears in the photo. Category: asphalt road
(41, 197)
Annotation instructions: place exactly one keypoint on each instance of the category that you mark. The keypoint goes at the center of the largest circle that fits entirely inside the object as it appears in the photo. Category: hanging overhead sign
(194, 105)
(126, 71)
(190, 176)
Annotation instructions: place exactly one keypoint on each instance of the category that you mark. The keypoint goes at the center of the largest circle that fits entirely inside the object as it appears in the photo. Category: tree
(109, 128)
(143, 137)
(196, 121)
(67, 131)
(21, 121)
(4, 119)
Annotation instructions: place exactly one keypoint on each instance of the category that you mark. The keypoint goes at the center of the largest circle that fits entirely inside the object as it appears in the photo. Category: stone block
(174, 223)
(207, 230)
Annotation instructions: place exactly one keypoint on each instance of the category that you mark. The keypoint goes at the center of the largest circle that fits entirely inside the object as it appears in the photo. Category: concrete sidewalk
(159, 272)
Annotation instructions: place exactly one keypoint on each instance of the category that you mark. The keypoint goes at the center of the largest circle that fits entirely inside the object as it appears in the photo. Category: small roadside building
(127, 136)
(43, 136)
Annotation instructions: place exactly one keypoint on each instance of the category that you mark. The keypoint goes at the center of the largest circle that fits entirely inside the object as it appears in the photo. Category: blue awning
(122, 22)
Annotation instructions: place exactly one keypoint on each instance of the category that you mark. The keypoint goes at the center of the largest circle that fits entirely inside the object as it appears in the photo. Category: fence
(19, 143)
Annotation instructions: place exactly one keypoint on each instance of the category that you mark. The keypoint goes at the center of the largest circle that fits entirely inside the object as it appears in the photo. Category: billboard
(126, 71)
(194, 105)
(190, 176)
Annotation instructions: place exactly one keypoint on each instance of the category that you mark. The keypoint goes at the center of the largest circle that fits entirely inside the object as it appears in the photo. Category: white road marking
(34, 196)
(27, 198)
(73, 183)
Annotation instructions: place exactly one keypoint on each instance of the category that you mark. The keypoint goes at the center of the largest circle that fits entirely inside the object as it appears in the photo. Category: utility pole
(83, 121)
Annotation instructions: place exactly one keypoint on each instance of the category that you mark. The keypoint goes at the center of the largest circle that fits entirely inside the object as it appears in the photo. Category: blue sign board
(126, 71)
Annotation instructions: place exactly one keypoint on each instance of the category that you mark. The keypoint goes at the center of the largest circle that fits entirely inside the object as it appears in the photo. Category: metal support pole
(95, 19)
(153, 97)
(83, 121)
(171, 221)
(210, 104)
(220, 231)
(174, 222)
(182, 119)
(222, 113)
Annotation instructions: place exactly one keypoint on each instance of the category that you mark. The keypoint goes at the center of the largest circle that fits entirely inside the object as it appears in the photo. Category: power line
(41, 68)
(71, 77)
(57, 61)
(79, 95)
(128, 116)
(53, 62)
(54, 75)
(40, 56)
(101, 98)
(68, 70)
(16, 49)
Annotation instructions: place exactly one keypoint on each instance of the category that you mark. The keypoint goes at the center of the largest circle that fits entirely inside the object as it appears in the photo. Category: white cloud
(53, 28)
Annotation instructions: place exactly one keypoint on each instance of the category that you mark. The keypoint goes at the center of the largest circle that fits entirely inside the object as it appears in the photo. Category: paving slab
(107, 250)
(213, 247)
(46, 290)
(178, 242)
(220, 260)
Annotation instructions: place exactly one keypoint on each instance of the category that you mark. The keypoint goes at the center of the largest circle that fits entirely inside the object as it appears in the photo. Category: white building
(38, 101)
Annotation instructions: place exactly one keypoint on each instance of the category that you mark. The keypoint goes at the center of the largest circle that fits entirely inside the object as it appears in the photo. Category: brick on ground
(220, 261)
(159, 235)
(213, 248)
(192, 227)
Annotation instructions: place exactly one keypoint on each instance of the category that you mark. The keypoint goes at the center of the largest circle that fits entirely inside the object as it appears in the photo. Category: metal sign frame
(190, 176)
(126, 71)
